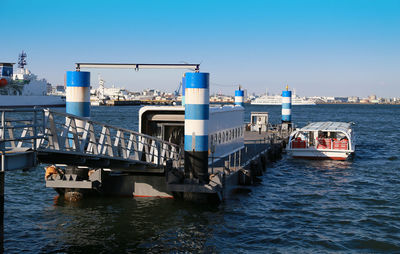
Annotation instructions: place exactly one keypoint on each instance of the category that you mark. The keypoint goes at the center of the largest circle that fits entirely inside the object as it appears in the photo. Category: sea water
(300, 206)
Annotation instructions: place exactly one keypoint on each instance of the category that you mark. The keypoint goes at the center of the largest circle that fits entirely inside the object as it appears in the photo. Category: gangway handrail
(37, 109)
(62, 134)
(110, 126)
(29, 132)
(85, 137)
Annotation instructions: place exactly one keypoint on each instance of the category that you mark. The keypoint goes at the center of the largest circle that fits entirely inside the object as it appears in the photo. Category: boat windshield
(319, 139)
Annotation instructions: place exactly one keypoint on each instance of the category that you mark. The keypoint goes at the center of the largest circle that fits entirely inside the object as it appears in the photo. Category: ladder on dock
(65, 139)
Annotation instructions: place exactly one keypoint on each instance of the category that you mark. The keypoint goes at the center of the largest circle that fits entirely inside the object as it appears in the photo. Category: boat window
(340, 136)
(253, 120)
(219, 138)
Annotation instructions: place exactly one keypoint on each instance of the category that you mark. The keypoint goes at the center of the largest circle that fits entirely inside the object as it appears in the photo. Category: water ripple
(301, 206)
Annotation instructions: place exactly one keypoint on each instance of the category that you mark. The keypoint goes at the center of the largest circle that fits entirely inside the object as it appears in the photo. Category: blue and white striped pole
(78, 95)
(196, 125)
(239, 97)
(183, 89)
(287, 106)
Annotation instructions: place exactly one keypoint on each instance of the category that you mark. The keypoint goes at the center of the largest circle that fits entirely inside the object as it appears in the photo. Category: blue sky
(338, 48)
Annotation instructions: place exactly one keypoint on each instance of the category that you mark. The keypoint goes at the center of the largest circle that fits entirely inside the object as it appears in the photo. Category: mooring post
(239, 97)
(78, 96)
(77, 103)
(196, 125)
(286, 108)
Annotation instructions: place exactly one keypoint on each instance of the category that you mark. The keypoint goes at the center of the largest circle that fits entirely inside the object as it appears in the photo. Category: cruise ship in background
(24, 89)
(277, 100)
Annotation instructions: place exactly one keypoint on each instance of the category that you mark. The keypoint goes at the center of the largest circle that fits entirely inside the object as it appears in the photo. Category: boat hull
(279, 104)
(319, 154)
(27, 101)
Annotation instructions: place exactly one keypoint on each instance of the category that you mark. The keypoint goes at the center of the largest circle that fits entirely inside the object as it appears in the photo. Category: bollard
(286, 106)
(239, 97)
(196, 125)
(78, 95)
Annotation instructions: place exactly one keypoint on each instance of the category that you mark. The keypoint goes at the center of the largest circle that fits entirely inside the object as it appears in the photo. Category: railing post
(2, 149)
(234, 162)
(158, 153)
(2, 143)
(3, 124)
(34, 130)
(1, 211)
(44, 121)
(240, 156)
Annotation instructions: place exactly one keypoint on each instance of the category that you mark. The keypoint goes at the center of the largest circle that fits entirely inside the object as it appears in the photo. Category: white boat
(24, 89)
(277, 100)
(322, 140)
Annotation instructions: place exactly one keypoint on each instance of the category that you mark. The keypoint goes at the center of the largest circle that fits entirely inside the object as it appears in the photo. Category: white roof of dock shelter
(327, 126)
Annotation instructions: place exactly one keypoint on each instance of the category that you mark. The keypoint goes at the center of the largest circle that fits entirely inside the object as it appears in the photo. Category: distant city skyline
(320, 48)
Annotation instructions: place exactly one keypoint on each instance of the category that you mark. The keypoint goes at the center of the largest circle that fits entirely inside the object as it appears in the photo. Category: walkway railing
(20, 131)
(21, 127)
(77, 135)
(54, 132)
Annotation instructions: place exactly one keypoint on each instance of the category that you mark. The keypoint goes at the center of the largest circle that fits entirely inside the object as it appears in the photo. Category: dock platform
(235, 170)
(108, 160)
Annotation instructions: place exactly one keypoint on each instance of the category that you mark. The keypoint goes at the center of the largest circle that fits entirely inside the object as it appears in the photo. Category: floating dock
(194, 151)
(101, 159)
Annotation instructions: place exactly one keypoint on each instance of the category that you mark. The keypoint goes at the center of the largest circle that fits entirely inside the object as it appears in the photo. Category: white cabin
(225, 127)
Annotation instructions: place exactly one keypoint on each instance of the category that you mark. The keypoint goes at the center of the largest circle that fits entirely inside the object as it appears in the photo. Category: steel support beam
(194, 67)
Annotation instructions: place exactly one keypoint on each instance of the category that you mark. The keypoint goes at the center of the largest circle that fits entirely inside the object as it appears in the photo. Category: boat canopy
(327, 126)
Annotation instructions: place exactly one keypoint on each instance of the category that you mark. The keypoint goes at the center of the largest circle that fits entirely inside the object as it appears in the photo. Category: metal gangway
(48, 136)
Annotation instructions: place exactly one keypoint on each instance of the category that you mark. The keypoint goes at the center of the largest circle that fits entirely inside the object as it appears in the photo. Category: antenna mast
(22, 60)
